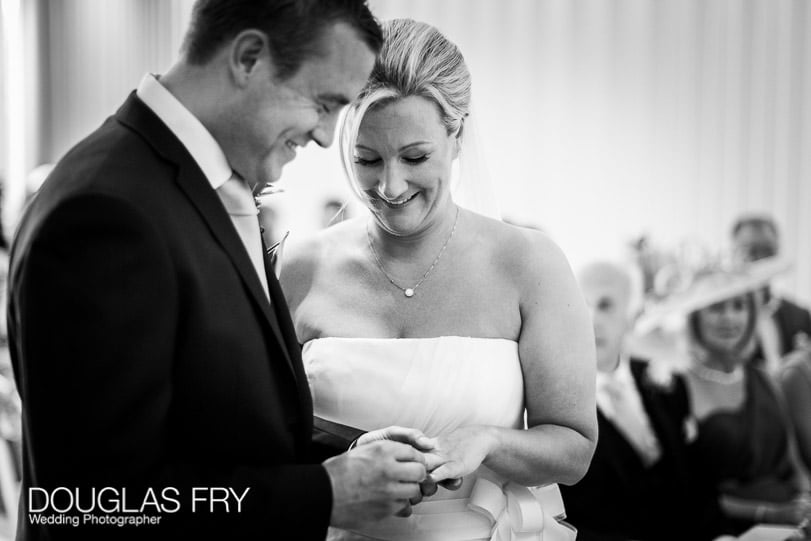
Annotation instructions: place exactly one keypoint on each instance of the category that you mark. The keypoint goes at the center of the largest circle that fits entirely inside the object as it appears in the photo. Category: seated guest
(783, 326)
(744, 438)
(795, 382)
(638, 486)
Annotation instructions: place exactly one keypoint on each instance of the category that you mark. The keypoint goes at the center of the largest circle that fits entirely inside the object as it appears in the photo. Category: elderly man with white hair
(639, 485)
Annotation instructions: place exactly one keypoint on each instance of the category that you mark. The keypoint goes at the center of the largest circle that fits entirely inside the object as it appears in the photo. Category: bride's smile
(402, 163)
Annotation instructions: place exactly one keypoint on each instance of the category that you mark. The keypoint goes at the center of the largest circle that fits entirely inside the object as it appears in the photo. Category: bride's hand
(422, 443)
(411, 436)
(459, 453)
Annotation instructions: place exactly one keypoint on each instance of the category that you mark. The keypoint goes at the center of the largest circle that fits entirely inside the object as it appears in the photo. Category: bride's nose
(392, 183)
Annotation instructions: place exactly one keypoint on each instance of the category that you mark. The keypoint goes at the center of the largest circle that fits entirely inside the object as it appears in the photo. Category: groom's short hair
(293, 27)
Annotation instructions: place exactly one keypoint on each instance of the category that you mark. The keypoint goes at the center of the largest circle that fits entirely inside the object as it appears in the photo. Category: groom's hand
(411, 436)
(421, 442)
(375, 480)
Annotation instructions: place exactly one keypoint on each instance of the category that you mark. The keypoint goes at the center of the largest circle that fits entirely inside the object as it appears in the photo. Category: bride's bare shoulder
(527, 254)
(514, 242)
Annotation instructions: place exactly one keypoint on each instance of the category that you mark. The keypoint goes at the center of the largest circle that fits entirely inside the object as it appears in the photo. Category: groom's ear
(248, 53)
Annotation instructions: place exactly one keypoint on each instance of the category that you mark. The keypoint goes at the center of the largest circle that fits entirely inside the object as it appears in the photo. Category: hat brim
(713, 288)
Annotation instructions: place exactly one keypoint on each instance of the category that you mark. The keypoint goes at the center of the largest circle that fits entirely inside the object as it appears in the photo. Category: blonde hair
(415, 60)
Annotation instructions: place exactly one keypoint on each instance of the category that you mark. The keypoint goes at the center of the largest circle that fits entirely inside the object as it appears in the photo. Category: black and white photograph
(405, 270)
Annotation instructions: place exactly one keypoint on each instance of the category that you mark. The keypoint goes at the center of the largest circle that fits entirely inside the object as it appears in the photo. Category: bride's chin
(399, 226)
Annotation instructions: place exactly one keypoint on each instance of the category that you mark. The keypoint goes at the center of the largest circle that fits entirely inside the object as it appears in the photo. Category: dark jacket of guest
(620, 498)
(792, 320)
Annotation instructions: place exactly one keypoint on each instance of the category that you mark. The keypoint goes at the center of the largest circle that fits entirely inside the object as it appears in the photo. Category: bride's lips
(397, 203)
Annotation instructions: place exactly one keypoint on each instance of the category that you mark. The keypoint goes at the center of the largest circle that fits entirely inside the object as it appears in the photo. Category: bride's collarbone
(433, 311)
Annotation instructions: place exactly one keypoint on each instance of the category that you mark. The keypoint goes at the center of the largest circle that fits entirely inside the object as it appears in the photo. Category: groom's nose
(324, 132)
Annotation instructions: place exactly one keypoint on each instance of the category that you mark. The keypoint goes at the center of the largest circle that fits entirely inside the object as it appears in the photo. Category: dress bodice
(435, 385)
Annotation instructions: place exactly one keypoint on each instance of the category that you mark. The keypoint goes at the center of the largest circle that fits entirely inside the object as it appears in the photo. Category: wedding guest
(783, 326)
(795, 382)
(639, 485)
(427, 314)
(152, 349)
(744, 438)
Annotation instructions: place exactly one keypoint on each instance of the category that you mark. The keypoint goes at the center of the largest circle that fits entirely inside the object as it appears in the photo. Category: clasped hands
(391, 469)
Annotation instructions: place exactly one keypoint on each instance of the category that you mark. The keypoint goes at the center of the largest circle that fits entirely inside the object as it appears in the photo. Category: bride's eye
(366, 162)
(413, 160)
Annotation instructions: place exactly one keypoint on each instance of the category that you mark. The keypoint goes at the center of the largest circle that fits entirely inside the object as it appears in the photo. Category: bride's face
(403, 159)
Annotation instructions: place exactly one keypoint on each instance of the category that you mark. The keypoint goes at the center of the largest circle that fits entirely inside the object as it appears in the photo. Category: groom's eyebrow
(336, 99)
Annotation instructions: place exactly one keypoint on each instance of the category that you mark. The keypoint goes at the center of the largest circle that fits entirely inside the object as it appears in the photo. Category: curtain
(604, 120)
(601, 120)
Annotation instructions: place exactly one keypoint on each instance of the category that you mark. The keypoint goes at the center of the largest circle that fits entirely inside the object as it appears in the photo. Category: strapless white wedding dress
(436, 385)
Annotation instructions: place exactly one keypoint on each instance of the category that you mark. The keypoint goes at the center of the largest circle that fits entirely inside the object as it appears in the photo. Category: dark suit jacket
(619, 498)
(146, 353)
(791, 320)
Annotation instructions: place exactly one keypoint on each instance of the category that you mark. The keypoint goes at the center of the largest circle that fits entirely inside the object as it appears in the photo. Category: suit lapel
(652, 405)
(670, 437)
(136, 115)
(784, 325)
(293, 348)
(617, 449)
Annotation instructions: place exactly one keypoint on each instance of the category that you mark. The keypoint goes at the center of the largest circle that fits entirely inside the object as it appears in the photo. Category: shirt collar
(621, 374)
(195, 137)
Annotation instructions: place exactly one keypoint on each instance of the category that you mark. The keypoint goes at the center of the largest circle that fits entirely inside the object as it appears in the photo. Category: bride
(428, 315)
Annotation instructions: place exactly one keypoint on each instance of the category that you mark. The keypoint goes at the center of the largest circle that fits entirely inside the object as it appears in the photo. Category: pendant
(409, 292)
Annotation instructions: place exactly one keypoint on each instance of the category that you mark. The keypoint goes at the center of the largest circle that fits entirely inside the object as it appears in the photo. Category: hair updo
(415, 60)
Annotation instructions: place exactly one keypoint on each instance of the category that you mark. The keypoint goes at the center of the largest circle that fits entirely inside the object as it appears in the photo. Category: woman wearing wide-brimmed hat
(744, 439)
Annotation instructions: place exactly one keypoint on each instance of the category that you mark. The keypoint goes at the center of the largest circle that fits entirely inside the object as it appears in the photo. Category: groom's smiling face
(275, 117)
(403, 158)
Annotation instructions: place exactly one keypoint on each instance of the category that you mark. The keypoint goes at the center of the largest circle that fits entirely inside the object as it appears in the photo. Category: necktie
(238, 200)
(769, 338)
(626, 411)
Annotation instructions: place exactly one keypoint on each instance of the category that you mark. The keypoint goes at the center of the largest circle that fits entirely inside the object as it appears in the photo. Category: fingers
(410, 436)
(452, 484)
(428, 488)
(409, 472)
(406, 453)
(369, 437)
(405, 511)
(399, 452)
(449, 470)
(434, 460)
(405, 492)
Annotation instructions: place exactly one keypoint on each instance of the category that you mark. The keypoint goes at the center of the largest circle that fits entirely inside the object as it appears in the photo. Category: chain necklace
(409, 291)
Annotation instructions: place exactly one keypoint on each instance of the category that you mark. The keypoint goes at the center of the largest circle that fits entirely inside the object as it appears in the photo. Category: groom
(161, 378)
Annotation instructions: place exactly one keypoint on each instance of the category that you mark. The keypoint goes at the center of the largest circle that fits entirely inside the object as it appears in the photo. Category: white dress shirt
(768, 335)
(619, 400)
(236, 196)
